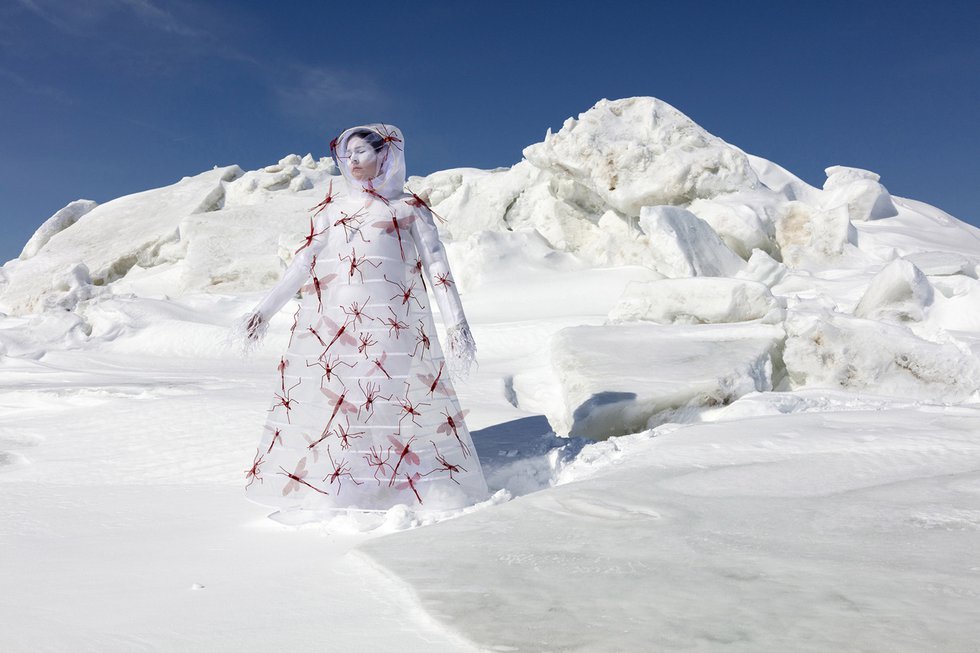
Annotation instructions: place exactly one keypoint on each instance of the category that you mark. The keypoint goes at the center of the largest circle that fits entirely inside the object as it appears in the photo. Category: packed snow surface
(718, 408)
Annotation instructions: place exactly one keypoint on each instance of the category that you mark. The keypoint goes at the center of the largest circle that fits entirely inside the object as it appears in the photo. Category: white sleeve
(436, 265)
(298, 271)
(461, 349)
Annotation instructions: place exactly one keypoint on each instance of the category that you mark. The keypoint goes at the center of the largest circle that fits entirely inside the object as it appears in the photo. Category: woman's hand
(253, 326)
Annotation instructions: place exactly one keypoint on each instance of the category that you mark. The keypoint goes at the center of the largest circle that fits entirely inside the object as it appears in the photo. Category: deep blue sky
(102, 98)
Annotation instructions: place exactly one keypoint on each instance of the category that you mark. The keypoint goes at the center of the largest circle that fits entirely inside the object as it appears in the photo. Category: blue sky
(102, 98)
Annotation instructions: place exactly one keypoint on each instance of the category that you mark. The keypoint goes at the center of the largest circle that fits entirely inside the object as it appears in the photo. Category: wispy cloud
(79, 18)
(316, 91)
(36, 88)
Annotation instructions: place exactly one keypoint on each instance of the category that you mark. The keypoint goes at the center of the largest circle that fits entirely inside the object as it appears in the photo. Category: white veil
(390, 180)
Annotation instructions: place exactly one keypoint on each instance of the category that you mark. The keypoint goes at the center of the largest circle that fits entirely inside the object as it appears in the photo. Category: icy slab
(839, 351)
(936, 264)
(615, 379)
(698, 300)
(898, 292)
(60, 221)
(641, 151)
(866, 199)
(683, 245)
(743, 220)
(803, 532)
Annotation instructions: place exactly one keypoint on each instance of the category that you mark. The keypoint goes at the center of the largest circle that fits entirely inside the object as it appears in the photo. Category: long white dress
(364, 413)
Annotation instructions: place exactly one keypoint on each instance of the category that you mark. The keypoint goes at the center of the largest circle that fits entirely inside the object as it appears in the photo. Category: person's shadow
(523, 455)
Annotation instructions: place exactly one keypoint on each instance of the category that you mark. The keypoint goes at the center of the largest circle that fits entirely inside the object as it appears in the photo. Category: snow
(717, 408)
(697, 300)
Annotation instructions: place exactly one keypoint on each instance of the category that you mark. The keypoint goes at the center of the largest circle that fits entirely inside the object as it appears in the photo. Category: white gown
(364, 413)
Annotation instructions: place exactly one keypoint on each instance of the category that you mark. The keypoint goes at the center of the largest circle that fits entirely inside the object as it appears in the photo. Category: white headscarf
(390, 180)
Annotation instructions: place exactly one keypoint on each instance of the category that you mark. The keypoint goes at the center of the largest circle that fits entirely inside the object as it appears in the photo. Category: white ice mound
(683, 245)
(898, 292)
(60, 221)
(859, 190)
(641, 151)
(139, 229)
(616, 379)
(699, 300)
(839, 351)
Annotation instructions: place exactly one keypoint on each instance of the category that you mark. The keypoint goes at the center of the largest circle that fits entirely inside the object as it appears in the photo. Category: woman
(364, 413)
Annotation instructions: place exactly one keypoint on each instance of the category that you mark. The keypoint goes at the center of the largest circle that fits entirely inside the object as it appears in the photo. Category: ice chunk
(866, 199)
(937, 264)
(899, 292)
(805, 233)
(683, 245)
(640, 151)
(743, 220)
(58, 222)
(839, 351)
(616, 378)
(698, 300)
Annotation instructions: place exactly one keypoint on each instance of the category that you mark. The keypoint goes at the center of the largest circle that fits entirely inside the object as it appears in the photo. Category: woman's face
(362, 158)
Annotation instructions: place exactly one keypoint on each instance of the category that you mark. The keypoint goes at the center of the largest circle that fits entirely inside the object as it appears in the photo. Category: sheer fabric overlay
(364, 413)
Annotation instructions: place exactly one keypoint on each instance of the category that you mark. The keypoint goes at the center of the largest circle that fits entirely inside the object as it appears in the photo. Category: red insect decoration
(356, 311)
(328, 364)
(283, 364)
(321, 206)
(407, 293)
(372, 392)
(379, 364)
(340, 404)
(410, 482)
(297, 478)
(451, 425)
(394, 324)
(418, 271)
(350, 222)
(276, 436)
(405, 454)
(253, 473)
(339, 333)
(418, 202)
(317, 284)
(285, 401)
(355, 264)
(396, 226)
(408, 410)
(421, 340)
(345, 435)
(378, 460)
(366, 340)
(444, 280)
(446, 466)
(435, 383)
(339, 469)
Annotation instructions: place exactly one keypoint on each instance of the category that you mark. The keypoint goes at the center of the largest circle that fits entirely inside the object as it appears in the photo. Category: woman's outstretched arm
(251, 328)
(461, 349)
